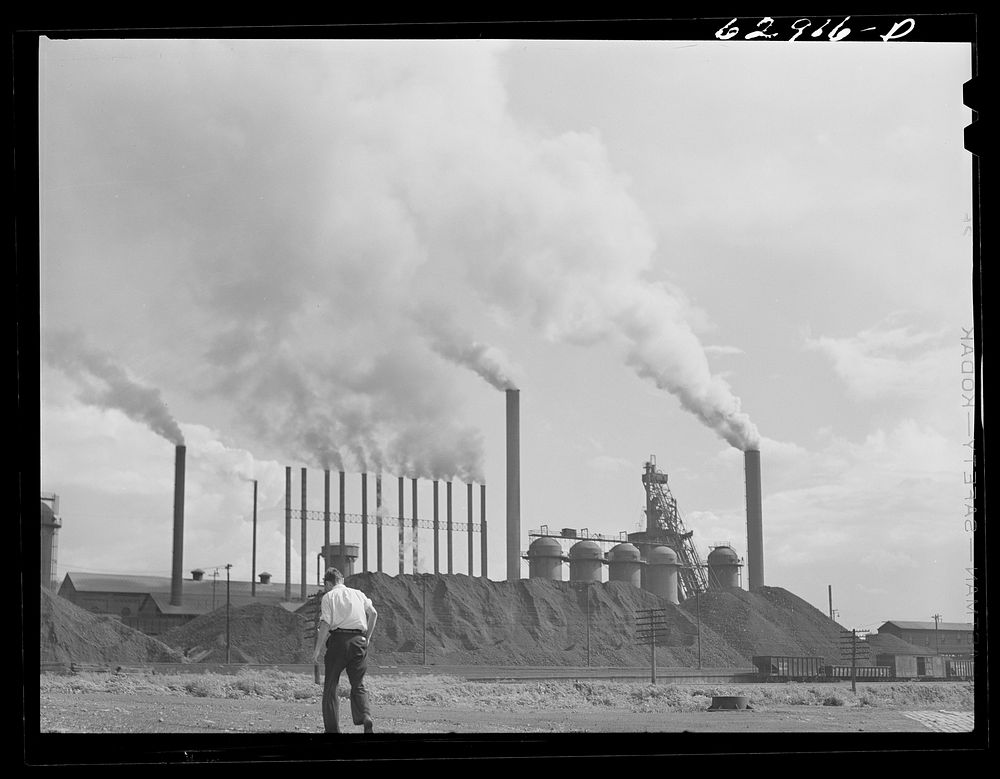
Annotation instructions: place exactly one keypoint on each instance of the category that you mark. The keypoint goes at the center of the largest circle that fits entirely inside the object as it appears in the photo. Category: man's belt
(347, 630)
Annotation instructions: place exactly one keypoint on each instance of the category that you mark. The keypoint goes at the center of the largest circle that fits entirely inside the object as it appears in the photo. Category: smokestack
(288, 532)
(755, 530)
(416, 549)
(177, 571)
(378, 522)
(304, 555)
(482, 529)
(513, 485)
(448, 525)
(326, 521)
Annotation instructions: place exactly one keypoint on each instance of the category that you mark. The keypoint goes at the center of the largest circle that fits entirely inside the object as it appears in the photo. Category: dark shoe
(369, 725)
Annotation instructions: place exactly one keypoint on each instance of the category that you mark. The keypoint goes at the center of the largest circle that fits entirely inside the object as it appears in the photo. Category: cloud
(887, 360)
(723, 350)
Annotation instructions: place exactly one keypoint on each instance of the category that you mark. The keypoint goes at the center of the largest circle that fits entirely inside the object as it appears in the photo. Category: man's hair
(333, 575)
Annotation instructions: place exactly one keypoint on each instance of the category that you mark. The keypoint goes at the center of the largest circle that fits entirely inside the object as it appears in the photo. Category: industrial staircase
(666, 522)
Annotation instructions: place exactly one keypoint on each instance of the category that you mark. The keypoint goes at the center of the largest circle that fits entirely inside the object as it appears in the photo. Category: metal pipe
(364, 522)
(482, 530)
(415, 547)
(755, 532)
(468, 500)
(253, 564)
(378, 522)
(177, 572)
(513, 485)
(304, 554)
(401, 551)
(437, 555)
(288, 533)
(448, 525)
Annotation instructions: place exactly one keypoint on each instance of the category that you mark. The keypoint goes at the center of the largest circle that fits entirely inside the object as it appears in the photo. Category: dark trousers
(345, 651)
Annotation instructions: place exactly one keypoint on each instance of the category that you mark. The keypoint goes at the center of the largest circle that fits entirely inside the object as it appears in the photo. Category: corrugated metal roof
(929, 625)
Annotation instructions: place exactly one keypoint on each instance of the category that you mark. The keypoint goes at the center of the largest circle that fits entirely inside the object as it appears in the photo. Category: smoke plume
(104, 383)
(314, 200)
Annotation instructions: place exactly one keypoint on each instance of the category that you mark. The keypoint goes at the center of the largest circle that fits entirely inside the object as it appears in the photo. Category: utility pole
(829, 591)
(587, 586)
(937, 647)
(651, 624)
(854, 660)
(215, 578)
(697, 604)
(228, 566)
(423, 582)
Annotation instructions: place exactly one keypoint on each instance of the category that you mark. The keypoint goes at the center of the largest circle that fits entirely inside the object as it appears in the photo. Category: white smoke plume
(104, 383)
(318, 198)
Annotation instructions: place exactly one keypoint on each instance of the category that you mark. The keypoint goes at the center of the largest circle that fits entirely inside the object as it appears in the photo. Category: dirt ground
(118, 713)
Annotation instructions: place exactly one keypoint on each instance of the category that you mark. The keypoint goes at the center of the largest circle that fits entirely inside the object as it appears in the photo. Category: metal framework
(387, 520)
(665, 522)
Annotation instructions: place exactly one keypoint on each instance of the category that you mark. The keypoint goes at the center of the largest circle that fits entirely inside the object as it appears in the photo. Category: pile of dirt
(258, 633)
(470, 621)
(541, 622)
(69, 634)
(770, 621)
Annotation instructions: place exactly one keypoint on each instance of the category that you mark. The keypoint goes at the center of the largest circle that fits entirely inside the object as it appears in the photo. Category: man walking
(347, 620)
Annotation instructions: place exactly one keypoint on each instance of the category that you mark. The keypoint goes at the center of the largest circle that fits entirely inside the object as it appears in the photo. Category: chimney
(755, 531)
(177, 570)
(513, 485)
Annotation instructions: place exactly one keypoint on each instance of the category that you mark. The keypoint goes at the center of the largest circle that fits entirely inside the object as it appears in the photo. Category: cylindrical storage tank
(341, 557)
(625, 564)
(723, 568)
(585, 561)
(661, 573)
(545, 559)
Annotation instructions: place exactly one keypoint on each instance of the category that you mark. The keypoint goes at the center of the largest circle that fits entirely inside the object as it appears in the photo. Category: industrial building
(143, 602)
(51, 522)
(662, 559)
(945, 638)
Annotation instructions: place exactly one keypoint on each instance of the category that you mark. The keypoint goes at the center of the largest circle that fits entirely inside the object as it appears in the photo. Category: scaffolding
(664, 525)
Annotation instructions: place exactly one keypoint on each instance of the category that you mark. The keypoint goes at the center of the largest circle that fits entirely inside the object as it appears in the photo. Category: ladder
(692, 577)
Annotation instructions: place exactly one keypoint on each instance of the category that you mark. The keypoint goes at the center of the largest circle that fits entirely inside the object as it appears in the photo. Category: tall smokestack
(177, 570)
(482, 529)
(304, 555)
(755, 529)
(513, 485)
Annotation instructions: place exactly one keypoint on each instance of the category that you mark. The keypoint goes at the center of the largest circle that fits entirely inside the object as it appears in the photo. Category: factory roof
(928, 625)
(888, 644)
(160, 585)
(202, 605)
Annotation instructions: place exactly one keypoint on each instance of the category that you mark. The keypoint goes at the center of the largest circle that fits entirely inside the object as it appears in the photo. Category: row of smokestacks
(755, 554)
(345, 553)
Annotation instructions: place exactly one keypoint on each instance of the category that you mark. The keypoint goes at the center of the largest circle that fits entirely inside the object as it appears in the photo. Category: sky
(337, 254)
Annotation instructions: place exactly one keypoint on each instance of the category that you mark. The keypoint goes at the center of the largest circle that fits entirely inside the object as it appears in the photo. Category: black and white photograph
(427, 385)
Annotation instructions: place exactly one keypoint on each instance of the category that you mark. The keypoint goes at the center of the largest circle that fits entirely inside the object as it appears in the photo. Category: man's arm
(372, 617)
(321, 633)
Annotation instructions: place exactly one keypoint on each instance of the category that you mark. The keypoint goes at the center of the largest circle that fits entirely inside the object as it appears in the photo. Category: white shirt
(344, 608)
